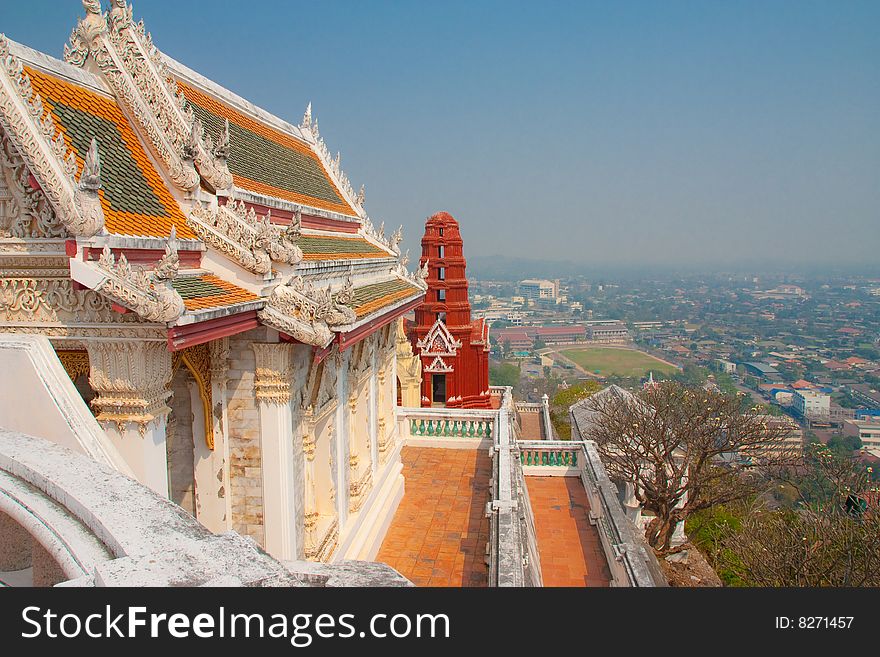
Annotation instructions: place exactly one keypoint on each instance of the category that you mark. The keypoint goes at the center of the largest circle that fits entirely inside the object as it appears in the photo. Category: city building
(616, 333)
(764, 371)
(867, 428)
(524, 337)
(726, 366)
(454, 349)
(791, 445)
(813, 406)
(539, 289)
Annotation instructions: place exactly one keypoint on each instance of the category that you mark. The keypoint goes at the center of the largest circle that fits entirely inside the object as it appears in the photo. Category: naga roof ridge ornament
(151, 297)
(32, 130)
(141, 81)
(333, 165)
(237, 232)
(308, 314)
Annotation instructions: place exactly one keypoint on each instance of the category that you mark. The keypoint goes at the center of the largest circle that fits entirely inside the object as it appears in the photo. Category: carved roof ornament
(169, 265)
(438, 365)
(154, 300)
(421, 276)
(253, 243)
(279, 244)
(396, 239)
(307, 313)
(333, 165)
(32, 130)
(141, 81)
(221, 149)
(438, 341)
(361, 197)
(294, 229)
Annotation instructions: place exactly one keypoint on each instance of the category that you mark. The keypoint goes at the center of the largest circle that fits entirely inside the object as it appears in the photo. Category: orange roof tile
(267, 161)
(206, 291)
(134, 198)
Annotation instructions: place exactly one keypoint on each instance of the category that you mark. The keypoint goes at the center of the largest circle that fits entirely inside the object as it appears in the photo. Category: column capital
(274, 364)
(131, 381)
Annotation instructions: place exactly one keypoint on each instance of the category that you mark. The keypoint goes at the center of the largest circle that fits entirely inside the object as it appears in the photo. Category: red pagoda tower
(453, 349)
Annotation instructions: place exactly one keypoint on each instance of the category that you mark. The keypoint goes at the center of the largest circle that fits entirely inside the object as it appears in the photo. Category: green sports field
(621, 362)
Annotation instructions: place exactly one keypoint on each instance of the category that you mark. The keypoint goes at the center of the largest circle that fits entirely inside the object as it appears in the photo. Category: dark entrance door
(438, 388)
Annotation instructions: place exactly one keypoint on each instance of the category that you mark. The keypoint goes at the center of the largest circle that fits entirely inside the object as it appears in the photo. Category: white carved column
(339, 449)
(310, 500)
(272, 388)
(130, 379)
(219, 517)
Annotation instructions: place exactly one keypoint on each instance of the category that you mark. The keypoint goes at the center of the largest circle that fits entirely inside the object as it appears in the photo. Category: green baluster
(480, 429)
(422, 427)
(488, 429)
(430, 427)
(522, 457)
(543, 458)
(446, 427)
(413, 427)
(574, 457)
(471, 429)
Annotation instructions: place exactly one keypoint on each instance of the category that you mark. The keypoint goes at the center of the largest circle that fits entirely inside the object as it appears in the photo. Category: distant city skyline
(644, 134)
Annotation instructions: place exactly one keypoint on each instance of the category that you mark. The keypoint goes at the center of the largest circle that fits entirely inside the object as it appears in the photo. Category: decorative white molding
(131, 381)
(152, 298)
(309, 128)
(253, 243)
(438, 365)
(274, 364)
(438, 341)
(39, 143)
(307, 313)
(133, 68)
(25, 212)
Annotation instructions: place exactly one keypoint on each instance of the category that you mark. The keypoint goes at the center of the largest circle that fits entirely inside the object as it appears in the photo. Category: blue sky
(696, 133)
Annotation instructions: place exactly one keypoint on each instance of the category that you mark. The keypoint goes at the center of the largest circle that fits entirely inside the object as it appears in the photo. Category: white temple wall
(245, 459)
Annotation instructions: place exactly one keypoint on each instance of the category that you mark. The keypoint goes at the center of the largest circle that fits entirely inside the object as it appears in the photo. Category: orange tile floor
(532, 426)
(569, 547)
(438, 535)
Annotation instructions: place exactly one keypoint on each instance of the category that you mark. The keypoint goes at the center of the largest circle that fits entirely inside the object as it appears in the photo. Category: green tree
(504, 374)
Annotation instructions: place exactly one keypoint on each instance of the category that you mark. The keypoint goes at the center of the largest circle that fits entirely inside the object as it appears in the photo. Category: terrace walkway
(532, 427)
(438, 535)
(569, 546)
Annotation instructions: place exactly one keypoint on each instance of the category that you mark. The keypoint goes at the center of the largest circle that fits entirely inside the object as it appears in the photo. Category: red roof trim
(188, 259)
(284, 217)
(346, 340)
(180, 337)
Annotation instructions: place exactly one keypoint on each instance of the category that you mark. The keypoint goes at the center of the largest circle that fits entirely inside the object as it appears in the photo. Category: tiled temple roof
(330, 247)
(134, 198)
(206, 291)
(265, 160)
(376, 296)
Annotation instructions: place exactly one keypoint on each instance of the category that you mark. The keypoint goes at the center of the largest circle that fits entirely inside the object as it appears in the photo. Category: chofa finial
(90, 178)
(92, 6)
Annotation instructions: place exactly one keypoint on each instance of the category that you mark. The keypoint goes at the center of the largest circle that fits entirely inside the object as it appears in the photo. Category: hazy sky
(608, 132)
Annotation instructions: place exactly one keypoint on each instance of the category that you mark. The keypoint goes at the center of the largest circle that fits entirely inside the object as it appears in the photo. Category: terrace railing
(447, 427)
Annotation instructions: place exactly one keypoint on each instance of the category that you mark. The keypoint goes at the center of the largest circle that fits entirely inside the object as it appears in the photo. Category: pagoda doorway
(438, 390)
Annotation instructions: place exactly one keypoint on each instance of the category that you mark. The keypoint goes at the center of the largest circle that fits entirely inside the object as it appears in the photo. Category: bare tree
(683, 449)
(831, 538)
